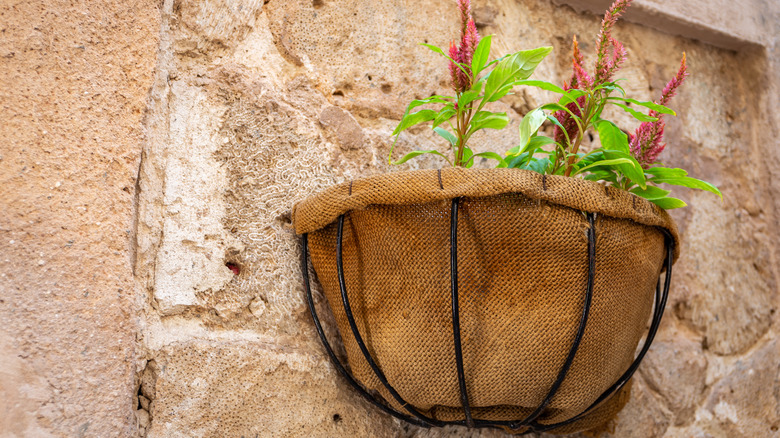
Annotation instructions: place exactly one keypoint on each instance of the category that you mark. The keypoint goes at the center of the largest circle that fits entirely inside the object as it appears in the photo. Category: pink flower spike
(647, 144)
(565, 119)
(671, 88)
(455, 72)
(580, 78)
(604, 62)
(612, 63)
(464, 6)
(469, 43)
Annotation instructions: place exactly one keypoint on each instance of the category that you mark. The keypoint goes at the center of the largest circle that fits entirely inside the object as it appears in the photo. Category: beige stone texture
(150, 154)
(74, 84)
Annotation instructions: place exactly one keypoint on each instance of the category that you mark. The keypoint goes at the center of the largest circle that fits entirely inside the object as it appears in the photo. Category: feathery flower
(611, 64)
(646, 144)
(580, 78)
(464, 6)
(671, 88)
(469, 42)
(463, 53)
(458, 78)
(567, 121)
(607, 63)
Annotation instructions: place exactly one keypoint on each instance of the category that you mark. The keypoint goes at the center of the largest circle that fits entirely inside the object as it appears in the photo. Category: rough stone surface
(676, 369)
(643, 417)
(746, 402)
(229, 388)
(75, 79)
(166, 300)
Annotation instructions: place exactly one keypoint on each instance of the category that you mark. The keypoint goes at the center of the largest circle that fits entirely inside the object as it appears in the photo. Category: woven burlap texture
(522, 266)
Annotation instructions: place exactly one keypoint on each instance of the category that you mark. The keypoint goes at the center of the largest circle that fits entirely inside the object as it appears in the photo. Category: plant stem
(459, 146)
(580, 135)
(464, 120)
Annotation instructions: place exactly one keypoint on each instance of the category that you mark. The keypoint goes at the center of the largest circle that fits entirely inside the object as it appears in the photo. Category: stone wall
(74, 84)
(150, 281)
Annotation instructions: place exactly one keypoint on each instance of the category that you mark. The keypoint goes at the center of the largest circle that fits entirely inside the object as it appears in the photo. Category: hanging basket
(490, 297)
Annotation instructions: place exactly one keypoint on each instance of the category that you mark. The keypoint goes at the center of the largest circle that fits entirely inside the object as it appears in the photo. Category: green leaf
(605, 163)
(555, 122)
(666, 172)
(615, 144)
(495, 61)
(515, 67)
(571, 96)
(447, 135)
(651, 105)
(642, 117)
(488, 120)
(631, 171)
(532, 146)
(539, 141)
(433, 99)
(412, 119)
(406, 122)
(602, 175)
(610, 87)
(559, 107)
(466, 161)
(529, 125)
(415, 103)
(518, 160)
(492, 156)
(592, 157)
(467, 97)
(668, 203)
(539, 165)
(481, 54)
(414, 154)
(435, 49)
(651, 192)
(445, 114)
(686, 181)
(441, 52)
(544, 85)
(553, 107)
(611, 137)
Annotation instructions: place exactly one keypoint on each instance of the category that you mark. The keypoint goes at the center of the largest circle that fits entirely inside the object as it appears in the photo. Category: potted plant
(512, 297)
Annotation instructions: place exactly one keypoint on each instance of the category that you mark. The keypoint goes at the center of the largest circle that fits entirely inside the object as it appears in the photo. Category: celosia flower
(611, 54)
(610, 64)
(459, 80)
(646, 143)
(567, 121)
(608, 61)
(464, 6)
(580, 78)
(463, 53)
(469, 42)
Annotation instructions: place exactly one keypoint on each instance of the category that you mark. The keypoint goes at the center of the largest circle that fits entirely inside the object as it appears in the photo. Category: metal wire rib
(464, 397)
(418, 418)
(658, 312)
(359, 339)
(336, 362)
(531, 419)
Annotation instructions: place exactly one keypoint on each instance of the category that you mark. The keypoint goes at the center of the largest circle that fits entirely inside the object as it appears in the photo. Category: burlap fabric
(522, 264)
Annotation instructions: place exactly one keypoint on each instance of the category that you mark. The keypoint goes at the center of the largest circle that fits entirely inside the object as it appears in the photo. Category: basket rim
(431, 185)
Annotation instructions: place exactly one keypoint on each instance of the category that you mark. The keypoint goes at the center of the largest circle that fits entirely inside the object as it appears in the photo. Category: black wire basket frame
(414, 416)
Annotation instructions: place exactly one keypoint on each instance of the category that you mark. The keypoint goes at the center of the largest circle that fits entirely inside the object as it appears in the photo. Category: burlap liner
(522, 255)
